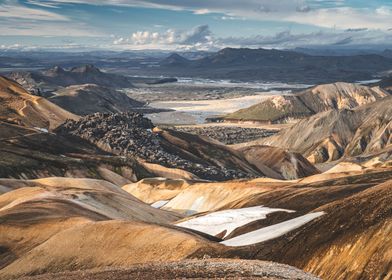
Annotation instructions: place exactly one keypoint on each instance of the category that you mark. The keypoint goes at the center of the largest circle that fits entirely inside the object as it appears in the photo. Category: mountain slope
(56, 225)
(51, 219)
(309, 102)
(352, 241)
(89, 98)
(19, 107)
(284, 164)
(330, 135)
(30, 153)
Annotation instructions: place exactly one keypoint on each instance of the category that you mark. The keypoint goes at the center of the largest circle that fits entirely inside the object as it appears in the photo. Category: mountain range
(276, 65)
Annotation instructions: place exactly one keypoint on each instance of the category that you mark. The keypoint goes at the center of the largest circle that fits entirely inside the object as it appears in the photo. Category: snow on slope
(160, 203)
(271, 232)
(228, 220)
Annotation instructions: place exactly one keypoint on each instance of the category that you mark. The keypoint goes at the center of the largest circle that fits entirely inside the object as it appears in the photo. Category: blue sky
(191, 24)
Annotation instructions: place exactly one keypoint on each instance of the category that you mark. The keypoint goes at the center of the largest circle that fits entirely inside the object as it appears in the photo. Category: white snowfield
(44, 130)
(160, 203)
(229, 220)
(271, 232)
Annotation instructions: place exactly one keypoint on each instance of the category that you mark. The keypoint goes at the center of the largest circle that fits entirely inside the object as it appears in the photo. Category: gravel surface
(228, 135)
(189, 269)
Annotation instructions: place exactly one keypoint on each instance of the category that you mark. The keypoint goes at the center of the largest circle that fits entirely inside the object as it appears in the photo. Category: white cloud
(342, 18)
(324, 13)
(11, 9)
(384, 11)
(201, 38)
(202, 12)
(19, 20)
(286, 39)
(198, 37)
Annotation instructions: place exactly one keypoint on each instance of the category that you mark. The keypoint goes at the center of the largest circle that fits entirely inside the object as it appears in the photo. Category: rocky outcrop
(131, 134)
(163, 81)
(228, 134)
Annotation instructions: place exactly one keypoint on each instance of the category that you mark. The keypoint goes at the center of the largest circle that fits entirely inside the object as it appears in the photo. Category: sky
(194, 25)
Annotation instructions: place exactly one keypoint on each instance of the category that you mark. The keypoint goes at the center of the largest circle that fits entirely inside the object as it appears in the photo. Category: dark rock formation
(163, 81)
(229, 135)
(131, 134)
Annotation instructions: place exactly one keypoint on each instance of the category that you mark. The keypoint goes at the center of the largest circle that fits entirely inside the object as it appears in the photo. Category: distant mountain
(89, 98)
(387, 53)
(333, 51)
(309, 102)
(50, 79)
(386, 83)
(275, 65)
(174, 60)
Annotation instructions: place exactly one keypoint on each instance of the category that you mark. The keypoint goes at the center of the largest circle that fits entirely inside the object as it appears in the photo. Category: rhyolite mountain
(19, 107)
(333, 134)
(317, 99)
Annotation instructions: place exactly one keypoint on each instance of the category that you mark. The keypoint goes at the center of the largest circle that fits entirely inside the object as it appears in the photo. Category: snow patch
(160, 203)
(44, 130)
(228, 220)
(271, 232)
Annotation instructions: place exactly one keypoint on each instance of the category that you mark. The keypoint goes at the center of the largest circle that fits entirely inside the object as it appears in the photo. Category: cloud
(343, 18)
(202, 12)
(324, 13)
(286, 39)
(200, 34)
(198, 37)
(36, 20)
(384, 11)
(202, 38)
(13, 10)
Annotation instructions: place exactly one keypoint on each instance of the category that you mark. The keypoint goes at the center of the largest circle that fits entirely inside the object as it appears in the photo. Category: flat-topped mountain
(309, 102)
(90, 98)
(50, 79)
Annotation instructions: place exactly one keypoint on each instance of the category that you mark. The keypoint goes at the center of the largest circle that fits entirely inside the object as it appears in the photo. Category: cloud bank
(202, 38)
